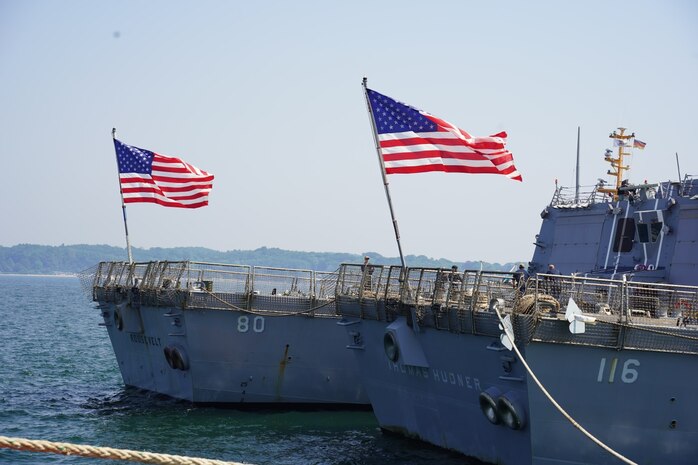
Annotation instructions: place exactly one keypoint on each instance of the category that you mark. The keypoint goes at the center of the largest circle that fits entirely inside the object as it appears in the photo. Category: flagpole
(576, 184)
(383, 173)
(123, 204)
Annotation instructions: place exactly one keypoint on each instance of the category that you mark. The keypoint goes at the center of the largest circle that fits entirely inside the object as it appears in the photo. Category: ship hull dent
(234, 357)
(439, 403)
(631, 400)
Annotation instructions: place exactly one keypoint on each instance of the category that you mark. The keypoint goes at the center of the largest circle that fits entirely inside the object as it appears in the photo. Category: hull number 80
(245, 324)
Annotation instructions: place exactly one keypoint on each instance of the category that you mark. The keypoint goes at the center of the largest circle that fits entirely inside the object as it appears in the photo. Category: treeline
(44, 259)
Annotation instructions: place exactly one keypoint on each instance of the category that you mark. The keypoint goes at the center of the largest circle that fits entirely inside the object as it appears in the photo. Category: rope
(65, 448)
(235, 307)
(651, 330)
(552, 400)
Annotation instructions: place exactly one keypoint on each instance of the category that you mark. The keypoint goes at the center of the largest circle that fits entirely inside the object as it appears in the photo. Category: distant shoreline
(40, 260)
(35, 275)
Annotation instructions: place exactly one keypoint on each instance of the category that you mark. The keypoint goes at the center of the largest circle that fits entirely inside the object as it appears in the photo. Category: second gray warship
(613, 340)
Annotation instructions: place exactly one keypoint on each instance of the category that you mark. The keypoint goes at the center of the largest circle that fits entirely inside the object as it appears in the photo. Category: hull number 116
(609, 371)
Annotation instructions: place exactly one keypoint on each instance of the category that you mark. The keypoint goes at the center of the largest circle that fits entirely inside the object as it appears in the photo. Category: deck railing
(461, 302)
(214, 285)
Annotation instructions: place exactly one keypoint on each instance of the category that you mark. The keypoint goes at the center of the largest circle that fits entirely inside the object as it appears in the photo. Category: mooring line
(65, 448)
(552, 400)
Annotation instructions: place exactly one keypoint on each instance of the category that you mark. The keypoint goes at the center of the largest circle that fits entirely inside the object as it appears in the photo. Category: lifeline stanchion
(65, 448)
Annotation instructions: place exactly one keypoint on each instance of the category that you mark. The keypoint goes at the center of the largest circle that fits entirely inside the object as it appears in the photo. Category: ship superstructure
(647, 232)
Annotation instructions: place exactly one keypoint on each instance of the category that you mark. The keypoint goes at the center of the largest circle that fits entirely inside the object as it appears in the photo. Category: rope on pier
(564, 413)
(65, 448)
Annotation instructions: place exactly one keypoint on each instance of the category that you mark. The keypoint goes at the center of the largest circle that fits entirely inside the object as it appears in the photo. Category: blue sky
(267, 96)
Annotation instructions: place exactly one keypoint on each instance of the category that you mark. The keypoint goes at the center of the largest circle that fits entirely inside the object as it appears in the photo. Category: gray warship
(612, 336)
(222, 334)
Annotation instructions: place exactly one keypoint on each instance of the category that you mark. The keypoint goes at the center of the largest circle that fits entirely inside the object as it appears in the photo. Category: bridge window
(625, 232)
(648, 232)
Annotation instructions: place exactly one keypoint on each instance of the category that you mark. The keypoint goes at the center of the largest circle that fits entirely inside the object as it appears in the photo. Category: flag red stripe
(429, 149)
(164, 202)
(475, 144)
(157, 178)
(444, 168)
(157, 190)
(388, 157)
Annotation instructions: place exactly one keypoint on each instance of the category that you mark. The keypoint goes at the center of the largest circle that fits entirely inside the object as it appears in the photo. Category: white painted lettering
(243, 324)
(438, 375)
(629, 375)
(612, 375)
(258, 324)
(602, 367)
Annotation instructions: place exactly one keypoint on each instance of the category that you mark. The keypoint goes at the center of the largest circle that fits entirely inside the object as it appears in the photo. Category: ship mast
(622, 141)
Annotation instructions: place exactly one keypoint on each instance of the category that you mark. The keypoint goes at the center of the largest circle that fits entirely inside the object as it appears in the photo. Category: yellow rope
(65, 448)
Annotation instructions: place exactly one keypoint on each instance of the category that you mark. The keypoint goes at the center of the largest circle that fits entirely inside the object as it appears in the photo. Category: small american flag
(413, 141)
(147, 176)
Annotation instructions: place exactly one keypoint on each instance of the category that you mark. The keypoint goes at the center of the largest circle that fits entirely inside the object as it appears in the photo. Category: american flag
(147, 176)
(413, 141)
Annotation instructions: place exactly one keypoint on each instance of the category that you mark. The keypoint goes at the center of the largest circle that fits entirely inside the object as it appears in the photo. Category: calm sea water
(59, 381)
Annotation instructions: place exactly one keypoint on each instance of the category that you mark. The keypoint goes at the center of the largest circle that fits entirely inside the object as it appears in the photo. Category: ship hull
(628, 399)
(631, 400)
(439, 402)
(233, 356)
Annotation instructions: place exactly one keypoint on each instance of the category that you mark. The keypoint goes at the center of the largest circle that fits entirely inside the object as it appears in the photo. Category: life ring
(488, 404)
(118, 319)
(511, 411)
(176, 358)
(392, 350)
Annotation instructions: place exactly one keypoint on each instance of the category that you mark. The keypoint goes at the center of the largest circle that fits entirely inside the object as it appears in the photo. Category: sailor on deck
(455, 280)
(366, 272)
(519, 279)
(552, 283)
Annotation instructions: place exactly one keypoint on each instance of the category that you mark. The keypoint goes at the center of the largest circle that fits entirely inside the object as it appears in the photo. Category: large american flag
(413, 141)
(147, 176)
